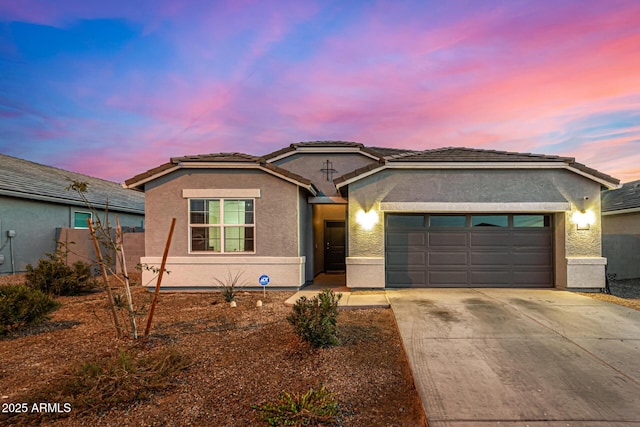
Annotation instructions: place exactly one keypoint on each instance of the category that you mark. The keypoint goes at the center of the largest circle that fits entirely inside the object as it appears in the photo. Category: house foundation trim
(475, 207)
(365, 272)
(586, 273)
(202, 271)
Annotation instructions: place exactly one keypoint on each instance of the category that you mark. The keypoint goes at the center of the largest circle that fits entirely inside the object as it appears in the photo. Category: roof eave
(322, 150)
(138, 181)
(621, 211)
(137, 184)
(480, 165)
(69, 202)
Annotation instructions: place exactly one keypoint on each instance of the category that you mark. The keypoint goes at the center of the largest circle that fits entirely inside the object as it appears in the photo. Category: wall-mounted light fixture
(583, 219)
(367, 219)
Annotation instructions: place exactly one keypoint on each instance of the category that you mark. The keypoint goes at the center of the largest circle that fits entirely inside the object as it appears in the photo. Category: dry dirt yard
(239, 357)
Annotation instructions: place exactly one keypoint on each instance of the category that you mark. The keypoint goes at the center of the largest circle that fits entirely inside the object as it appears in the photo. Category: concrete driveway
(521, 357)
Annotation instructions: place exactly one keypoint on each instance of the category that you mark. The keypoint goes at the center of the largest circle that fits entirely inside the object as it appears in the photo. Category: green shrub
(229, 286)
(315, 320)
(23, 306)
(53, 276)
(313, 408)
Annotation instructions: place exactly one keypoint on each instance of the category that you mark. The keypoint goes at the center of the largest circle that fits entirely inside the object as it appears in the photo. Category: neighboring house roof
(28, 180)
(461, 157)
(219, 161)
(626, 199)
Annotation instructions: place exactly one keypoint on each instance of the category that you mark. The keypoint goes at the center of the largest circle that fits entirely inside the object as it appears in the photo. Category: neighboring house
(621, 230)
(450, 217)
(35, 206)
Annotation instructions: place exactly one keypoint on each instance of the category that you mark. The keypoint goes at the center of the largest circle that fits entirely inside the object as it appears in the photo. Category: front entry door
(334, 244)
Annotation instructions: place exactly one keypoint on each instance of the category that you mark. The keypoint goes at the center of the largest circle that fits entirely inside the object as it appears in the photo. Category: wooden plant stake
(127, 288)
(103, 271)
(162, 265)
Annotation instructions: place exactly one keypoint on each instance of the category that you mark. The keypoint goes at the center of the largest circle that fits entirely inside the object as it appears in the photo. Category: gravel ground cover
(241, 357)
(623, 292)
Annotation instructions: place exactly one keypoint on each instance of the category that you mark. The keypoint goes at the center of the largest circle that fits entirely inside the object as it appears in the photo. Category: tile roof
(25, 179)
(218, 158)
(462, 154)
(378, 152)
(384, 155)
(626, 197)
(316, 144)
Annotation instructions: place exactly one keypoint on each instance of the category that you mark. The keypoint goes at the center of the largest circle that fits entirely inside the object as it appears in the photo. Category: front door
(334, 244)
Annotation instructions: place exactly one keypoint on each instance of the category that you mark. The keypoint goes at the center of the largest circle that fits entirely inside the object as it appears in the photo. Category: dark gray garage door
(509, 250)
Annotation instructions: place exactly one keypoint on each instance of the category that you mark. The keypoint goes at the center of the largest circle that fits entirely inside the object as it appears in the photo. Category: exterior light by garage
(583, 219)
(367, 219)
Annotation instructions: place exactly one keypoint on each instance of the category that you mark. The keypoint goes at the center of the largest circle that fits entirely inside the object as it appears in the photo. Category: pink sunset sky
(113, 88)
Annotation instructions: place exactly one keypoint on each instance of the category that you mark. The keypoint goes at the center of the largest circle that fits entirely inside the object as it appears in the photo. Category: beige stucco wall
(279, 249)
(276, 210)
(310, 166)
(513, 187)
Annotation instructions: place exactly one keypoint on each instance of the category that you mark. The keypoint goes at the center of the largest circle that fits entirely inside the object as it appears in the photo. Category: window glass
(238, 239)
(80, 219)
(230, 225)
(205, 211)
(489, 220)
(205, 239)
(531, 221)
(238, 211)
(213, 211)
(448, 220)
(405, 220)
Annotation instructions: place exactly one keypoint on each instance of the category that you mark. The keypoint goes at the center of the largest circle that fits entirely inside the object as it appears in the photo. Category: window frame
(85, 227)
(221, 225)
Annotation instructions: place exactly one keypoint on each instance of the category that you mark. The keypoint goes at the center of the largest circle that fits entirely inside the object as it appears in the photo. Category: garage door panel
(418, 259)
(404, 238)
(491, 239)
(541, 240)
(448, 278)
(405, 278)
(490, 278)
(447, 239)
(457, 256)
(490, 258)
(543, 259)
(438, 259)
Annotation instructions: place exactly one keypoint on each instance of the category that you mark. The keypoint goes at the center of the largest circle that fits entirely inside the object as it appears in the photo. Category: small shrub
(122, 378)
(23, 306)
(315, 320)
(229, 286)
(313, 408)
(53, 276)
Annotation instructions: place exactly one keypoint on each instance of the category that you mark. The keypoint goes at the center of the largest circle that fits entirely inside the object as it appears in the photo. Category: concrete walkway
(351, 299)
(486, 357)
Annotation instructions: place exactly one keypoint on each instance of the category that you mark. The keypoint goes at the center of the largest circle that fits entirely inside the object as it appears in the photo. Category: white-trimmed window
(222, 225)
(80, 219)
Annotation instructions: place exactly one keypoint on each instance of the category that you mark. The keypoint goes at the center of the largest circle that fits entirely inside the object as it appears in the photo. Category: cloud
(204, 76)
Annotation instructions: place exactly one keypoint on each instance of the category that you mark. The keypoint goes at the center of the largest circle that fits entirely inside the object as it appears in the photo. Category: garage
(469, 250)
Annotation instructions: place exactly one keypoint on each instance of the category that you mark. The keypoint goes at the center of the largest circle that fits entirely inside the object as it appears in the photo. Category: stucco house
(35, 207)
(450, 217)
(621, 230)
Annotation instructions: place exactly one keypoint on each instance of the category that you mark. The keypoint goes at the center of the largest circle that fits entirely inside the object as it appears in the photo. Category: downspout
(11, 234)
